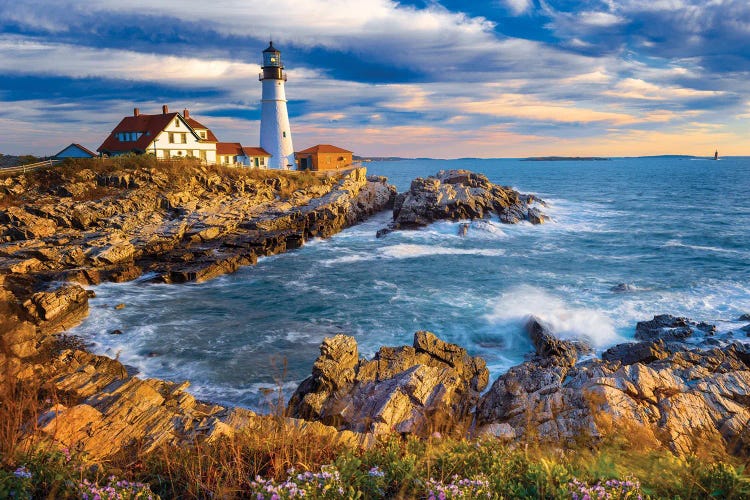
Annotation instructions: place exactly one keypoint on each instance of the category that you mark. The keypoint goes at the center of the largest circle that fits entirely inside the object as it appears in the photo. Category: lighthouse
(275, 134)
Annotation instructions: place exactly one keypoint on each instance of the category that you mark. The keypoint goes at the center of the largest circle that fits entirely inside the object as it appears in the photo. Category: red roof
(149, 125)
(323, 148)
(249, 151)
(195, 124)
(229, 148)
(235, 148)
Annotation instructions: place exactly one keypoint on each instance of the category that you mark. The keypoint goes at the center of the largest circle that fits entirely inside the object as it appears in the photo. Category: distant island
(378, 158)
(565, 158)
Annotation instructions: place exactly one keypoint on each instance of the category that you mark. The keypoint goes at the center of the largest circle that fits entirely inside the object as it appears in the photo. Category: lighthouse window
(284, 134)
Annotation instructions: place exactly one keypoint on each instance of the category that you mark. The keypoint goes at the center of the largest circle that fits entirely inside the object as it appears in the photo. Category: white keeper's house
(177, 135)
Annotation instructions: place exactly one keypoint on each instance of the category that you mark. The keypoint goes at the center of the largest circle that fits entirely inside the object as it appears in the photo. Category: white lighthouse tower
(275, 134)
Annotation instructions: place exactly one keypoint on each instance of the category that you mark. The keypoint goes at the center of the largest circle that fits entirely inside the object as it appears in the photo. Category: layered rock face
(186, 225)
(411, 389)
(662, 391)
(458, 195)
(190, 225)
(107, 411)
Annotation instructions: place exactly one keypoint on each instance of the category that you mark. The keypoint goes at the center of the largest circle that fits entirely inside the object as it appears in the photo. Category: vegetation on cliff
(277, 459)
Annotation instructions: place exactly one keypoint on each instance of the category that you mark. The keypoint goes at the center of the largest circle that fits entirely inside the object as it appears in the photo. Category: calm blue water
(677, 230)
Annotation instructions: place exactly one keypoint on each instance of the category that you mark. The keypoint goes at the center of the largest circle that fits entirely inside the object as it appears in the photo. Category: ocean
(629, 238)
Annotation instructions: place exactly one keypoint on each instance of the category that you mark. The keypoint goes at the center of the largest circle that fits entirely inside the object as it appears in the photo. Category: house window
(184, 138)
(203, 134)
(171, 137)
(176, 122)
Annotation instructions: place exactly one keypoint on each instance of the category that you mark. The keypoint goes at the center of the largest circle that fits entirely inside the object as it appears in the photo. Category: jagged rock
(500, 431)
(20, 340)
(81, 374)
(404, 389)
(668, 327)
(115, 253)
(547, 345)
(636, 352)
(457, 195)
(58, 309)
(677, 399)
(744, 317)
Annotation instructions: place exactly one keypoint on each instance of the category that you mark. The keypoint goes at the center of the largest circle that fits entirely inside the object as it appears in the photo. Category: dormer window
(202, 133)
(128, 136)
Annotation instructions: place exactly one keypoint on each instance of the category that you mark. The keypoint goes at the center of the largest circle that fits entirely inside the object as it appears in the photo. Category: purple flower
(22, 472)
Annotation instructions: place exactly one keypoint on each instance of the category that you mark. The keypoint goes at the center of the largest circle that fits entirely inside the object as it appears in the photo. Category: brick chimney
(186, 113)
(136, 111)
(164, 109)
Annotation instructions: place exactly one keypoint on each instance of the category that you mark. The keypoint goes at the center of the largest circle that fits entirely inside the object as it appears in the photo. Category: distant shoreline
(565, 158)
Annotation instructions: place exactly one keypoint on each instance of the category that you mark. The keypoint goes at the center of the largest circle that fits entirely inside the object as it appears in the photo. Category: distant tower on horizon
(275, 133)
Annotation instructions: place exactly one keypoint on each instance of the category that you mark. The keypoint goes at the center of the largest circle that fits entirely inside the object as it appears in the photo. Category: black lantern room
(272, 67)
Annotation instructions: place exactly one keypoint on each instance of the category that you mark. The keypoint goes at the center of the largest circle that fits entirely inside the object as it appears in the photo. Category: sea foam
(567, 321)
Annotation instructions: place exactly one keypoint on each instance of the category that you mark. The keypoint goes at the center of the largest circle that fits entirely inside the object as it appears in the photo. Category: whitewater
(629, 238)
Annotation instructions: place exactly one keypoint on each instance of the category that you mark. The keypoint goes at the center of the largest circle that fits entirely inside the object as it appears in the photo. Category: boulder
(20, 340)
(413, 389)
(671, 328)
(547, 345)
(636, 352)
(58, 309)
(459, 195)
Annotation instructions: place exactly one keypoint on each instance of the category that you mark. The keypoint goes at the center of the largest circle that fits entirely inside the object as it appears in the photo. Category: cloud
(518, 7)
(424, 75)
(22, 55)
(599, 19)
(633, 88)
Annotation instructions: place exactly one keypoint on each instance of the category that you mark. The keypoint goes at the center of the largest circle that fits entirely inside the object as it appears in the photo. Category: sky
(420, 78)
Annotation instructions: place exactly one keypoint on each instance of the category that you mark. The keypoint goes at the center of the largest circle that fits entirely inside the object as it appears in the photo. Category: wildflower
(376, 472)
(22, 472)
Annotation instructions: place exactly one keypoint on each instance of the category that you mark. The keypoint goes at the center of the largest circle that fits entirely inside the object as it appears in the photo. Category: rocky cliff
(183, 222)
(179, 222)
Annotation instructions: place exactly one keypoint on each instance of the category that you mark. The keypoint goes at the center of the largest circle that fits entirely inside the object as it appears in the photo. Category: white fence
(28, 168)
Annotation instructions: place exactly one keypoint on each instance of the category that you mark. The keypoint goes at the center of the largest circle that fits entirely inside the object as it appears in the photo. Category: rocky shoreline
(79, 226)
(679, 386)
(669, 394)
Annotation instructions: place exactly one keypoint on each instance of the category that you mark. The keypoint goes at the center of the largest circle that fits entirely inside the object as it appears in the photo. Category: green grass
(263, 462)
